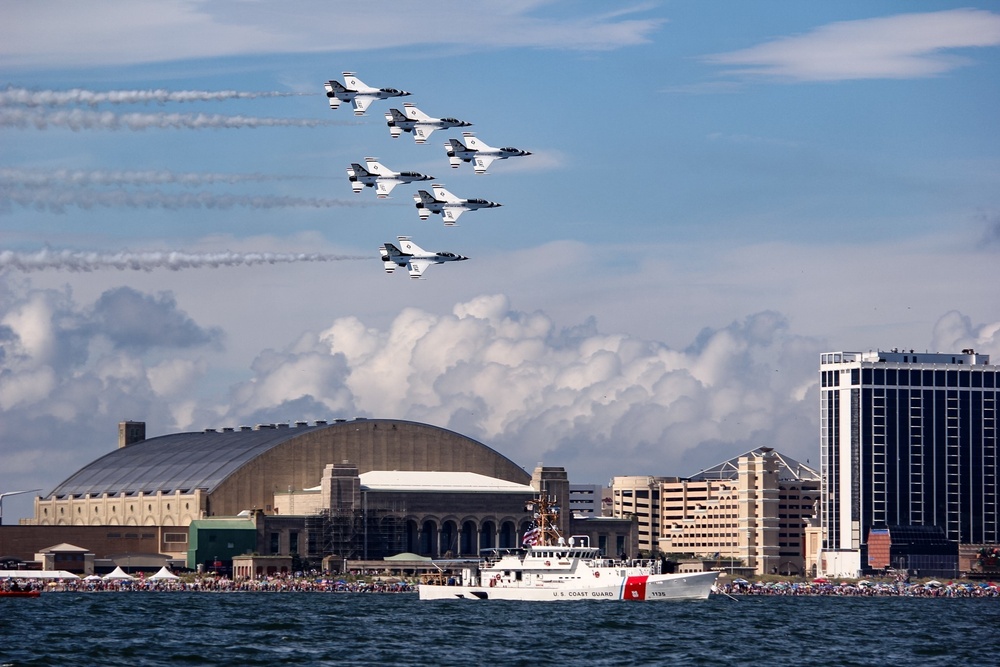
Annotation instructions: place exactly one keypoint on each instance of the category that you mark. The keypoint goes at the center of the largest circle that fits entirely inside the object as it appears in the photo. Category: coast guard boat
(553, 568)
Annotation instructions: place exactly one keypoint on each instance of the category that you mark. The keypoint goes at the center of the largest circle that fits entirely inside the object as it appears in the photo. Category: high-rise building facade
(752, 508)
(908, 438)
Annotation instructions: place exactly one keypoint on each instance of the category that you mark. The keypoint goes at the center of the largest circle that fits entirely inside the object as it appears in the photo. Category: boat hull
(19, 594)
(693, 586)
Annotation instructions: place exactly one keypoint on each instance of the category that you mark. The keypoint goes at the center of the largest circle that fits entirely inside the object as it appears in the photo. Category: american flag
(531, 537)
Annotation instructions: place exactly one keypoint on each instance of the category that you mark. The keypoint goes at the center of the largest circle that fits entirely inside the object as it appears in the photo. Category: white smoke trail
(36, 178)
(80, 261)
(80, 119)
(57, 200)
(11, 96)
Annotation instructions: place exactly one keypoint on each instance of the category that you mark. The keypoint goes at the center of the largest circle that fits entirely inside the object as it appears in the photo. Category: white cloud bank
(905, 46)
(121, 32)
(599, 404)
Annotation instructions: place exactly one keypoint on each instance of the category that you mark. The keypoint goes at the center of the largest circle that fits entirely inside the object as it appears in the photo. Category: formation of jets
(412, 257)
(354, 90)
(380, 177)
(376, 175)
(447, 205)
(477, 152)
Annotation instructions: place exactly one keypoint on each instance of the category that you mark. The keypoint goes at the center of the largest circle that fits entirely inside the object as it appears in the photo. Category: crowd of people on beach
(271, 584)
(326, 583)
(862, 588)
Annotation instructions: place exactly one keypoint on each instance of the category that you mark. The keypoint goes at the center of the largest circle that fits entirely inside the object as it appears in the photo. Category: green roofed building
(218, 540)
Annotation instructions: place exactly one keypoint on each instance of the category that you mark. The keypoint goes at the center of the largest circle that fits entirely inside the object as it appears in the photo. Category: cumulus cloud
(955, 331)
(593, 402)
(69, 372)
(598, 403)
(133, 320)
(905, 46)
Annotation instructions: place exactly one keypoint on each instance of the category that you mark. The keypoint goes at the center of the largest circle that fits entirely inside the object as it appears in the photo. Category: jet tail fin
(455, 148)
(386, 254)
(424, 200)
(409, 247)
(474, 143)
(441, 194)
(356, 84)
(413, 113)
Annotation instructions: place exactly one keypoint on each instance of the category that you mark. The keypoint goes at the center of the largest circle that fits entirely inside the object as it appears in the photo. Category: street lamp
(11, 493)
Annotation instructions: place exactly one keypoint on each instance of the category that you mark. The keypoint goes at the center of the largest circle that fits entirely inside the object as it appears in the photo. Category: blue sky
(718, 192)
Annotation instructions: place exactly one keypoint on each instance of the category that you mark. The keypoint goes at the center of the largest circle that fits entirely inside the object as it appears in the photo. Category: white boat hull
(692, 586)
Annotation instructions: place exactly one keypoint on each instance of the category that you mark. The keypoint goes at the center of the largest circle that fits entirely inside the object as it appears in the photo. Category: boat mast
(545, 513)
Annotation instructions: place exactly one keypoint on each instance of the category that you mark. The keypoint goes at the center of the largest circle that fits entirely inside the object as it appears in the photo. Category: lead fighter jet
(380, 177)
(416, 121)
(477, 152)
(447, 205)
(355, 90)
(414, 258)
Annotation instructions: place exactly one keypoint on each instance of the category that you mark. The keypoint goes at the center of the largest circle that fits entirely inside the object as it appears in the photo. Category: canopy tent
(37, 574)
(118, 573)
(164, 573)
(93, 577)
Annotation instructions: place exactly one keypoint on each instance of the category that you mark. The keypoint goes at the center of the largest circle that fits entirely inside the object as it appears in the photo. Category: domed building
(361, 488)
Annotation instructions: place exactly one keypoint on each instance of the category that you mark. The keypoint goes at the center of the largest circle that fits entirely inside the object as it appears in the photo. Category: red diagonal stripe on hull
(635, 588)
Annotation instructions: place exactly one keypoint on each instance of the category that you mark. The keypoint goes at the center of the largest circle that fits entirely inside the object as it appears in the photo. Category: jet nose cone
(461, 258)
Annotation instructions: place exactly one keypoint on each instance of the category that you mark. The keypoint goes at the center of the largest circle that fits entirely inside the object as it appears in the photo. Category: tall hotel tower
(908, 438)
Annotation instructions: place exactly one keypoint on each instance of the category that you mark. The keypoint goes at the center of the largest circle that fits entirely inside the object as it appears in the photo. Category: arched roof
(205, 459)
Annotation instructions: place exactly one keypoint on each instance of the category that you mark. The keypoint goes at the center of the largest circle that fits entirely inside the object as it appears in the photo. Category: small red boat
(20, 594)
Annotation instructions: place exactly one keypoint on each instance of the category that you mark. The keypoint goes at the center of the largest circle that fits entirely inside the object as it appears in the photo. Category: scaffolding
(371, 532)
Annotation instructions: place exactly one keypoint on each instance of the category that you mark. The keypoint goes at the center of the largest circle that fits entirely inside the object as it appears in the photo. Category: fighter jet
(447, 205)
(477, 152)
(413, 257)
(383, 179)
(417, 122)
(354, 90)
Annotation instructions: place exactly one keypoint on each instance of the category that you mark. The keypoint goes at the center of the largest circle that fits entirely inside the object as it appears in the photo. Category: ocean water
(178, 629)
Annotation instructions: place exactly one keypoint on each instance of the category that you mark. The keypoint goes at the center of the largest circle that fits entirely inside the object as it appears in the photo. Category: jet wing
(361, 103)
(451, 213)
(384, 186)
(417, 267)
(422, 132)
(482, 162)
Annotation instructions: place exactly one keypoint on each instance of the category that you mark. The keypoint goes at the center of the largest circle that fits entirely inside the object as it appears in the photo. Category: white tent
(37, 574)
(93, 577)
(118, 573)
(164, 573)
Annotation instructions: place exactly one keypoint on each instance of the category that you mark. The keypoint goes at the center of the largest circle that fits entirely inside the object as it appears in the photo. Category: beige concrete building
(752, 508)
(357, 489)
